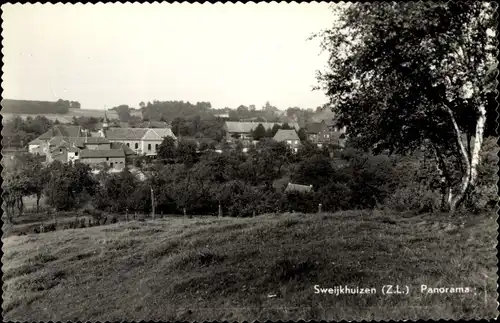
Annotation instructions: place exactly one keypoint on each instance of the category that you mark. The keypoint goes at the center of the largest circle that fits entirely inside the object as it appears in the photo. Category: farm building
(298, 188)
(322, 133)
(114, 158)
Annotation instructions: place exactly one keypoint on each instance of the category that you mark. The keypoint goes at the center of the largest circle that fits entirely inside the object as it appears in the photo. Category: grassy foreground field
(254, 269)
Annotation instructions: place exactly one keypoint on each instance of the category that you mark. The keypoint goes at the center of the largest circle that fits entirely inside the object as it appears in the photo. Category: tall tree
(166, 150)
(259, 132)
(410, 74)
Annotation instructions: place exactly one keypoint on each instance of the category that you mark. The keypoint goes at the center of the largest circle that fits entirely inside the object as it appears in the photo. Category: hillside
(253, 269)
(57, 110)
(66, 117)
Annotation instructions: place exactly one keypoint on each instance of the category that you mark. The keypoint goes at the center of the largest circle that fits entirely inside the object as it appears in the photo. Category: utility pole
(152, 203)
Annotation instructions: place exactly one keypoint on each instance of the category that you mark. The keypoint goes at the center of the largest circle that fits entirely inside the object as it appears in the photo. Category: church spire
(105, 123)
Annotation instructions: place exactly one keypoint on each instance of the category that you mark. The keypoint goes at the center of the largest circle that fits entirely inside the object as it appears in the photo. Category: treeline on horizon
(39, 107)
(167, 111)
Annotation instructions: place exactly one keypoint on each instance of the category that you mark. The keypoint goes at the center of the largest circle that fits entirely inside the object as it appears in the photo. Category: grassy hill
(67, 117)
(52, 110)
(253, 269)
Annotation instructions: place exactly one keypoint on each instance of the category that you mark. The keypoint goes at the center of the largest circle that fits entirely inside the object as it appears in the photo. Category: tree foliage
(409, 75)
(18, 132)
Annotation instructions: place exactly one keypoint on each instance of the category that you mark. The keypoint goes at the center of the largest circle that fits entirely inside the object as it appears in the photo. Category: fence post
(320, 207)
(126, 215)
(220, 210)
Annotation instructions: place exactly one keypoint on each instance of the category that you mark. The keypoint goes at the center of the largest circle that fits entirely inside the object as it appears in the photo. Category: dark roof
(62, 131)
(126, 133)
(315, 127)
(55, 141)
(283, 135)
(298, 188)
(100, 153)
(120, 145)
(91, 140)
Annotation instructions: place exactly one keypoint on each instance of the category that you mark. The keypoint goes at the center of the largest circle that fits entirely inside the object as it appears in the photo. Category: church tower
(105, 125)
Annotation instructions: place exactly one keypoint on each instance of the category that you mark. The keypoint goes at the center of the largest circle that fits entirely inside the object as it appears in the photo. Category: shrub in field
(305, 202)
(413, 198)
(335, 196)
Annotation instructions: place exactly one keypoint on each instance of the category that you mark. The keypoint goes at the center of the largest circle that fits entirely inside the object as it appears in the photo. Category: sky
(111, 54)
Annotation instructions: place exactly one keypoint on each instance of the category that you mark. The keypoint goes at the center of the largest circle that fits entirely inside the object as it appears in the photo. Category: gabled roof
(125, 133)
(315, 127)
(55, 141)
(246, 127)
(62, 131)
(164, 132)
(283, 135)
(120, 145)
(101, 153)
(136, 133)
(91, 140)
(36, 142)
(298, 188)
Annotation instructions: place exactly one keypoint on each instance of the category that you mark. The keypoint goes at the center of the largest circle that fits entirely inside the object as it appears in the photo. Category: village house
(53, 137)
(113, 158)
(290, 137)
(143, 141)
(242, 131)
(322, 133)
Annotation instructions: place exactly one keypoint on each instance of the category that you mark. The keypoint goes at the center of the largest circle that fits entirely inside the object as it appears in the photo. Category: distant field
(66, 118)
(253, 269)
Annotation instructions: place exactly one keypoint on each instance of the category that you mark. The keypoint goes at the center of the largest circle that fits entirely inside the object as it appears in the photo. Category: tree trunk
(444, 185)
(470, 175)
(38, 196)
(20, 205)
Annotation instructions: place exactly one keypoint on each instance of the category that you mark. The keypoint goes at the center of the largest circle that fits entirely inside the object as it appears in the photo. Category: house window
(149, 146)
(107, 158)
(296, 142)
(327, 136)
(136, 145)
(156, 146)
(76, 153)
(128, 144)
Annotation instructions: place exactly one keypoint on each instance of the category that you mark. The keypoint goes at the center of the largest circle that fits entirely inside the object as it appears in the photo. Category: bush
(412, 198)
(335, 197)
(306, 202)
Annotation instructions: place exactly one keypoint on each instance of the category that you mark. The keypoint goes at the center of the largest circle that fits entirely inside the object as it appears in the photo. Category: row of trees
(244, 184)
(38, 107)
(261, 132)
(196, 127)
